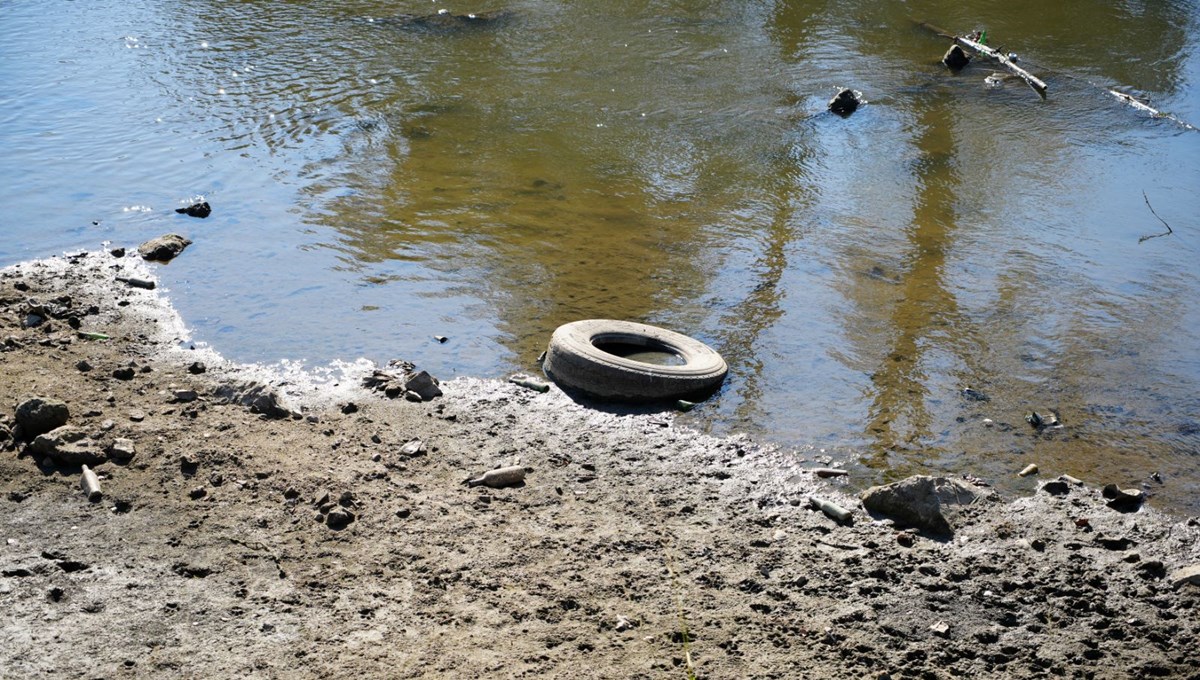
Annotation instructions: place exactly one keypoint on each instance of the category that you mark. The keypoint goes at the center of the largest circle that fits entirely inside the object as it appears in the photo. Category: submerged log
(1033, 81)
(1146, 108)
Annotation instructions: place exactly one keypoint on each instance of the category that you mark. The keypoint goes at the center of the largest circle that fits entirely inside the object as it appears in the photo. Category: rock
(1123, 500)
(339, 518)
(926, 503)
(415, 447)
(184, 396)
(845, 102)
(349, 407)
(117, 252)
(164, 248)
(424, 385)
(124, 373)
(258, 398)
(198, 493)
(68, 446)
(122, 449)
(1185, 576)
(41, 414)
(1058, 487)
(291, 493)
(404, 513)
(83, 366)
(940, 629)
(623, 624)
(199, 209)
(412, 396)
(196, 368)
(955, 58)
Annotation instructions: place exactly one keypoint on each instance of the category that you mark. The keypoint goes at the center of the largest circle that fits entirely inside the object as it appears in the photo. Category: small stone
(199, 209)
(107, 425)
(1123, 500)
(41, 414)
(940, 629)
(346, 499)
(83, 366)
(349, 408)
(623, 624)
(196, 368)
(291, 493)
(404, 513)
(416, 447)
(124, 373)
(339, 518)
(122, 449)
(198, 493)
(376, 439)
(117, 252)
(1185, 576)
(184, 396)
(905, 539)
(137, 415)
(164, 248)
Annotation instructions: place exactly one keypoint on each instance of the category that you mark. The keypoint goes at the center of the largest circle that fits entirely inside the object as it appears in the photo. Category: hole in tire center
(650, 353)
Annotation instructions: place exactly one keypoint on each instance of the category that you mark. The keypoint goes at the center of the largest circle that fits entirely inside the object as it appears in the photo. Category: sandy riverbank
(233, 543)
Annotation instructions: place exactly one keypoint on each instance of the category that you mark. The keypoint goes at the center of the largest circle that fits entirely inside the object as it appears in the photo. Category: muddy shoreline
(325, 544)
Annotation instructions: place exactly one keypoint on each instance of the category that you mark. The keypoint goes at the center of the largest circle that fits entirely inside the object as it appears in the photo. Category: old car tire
(575, 360)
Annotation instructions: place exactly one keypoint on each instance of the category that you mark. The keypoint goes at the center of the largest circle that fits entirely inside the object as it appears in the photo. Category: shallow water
(376, 183)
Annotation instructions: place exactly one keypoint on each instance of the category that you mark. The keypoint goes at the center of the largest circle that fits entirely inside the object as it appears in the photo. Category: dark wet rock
(956, 58)
(1044, 419)
(845, 102)
(339, 518)
(1123, 500)
(83, 366)
(68, 446)
(291, 493)
(164, 248)
(117, 252)
(1154, 569)
(349, 407)
(199, 209)
(184, 396)
(196, 368)
(124, 373)
(41, 414)
(425, 385)
(972, 394)
(198, 493)
(1057, 487)
(926, 503)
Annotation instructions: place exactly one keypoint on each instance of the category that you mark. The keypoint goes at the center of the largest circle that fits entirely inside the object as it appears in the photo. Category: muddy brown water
(376, 181)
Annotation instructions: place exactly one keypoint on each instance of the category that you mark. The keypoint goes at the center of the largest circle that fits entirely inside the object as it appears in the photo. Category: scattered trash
(973, 394)
(1043, 420)
(529, 383)
(684, 405)
(441, 338)
(1030, 469)
(199, 209)
(499, 478)
(87, 335)
(831, 509)
(90, 484)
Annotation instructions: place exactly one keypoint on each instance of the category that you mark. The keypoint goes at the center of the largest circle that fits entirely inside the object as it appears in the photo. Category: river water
(377, 181)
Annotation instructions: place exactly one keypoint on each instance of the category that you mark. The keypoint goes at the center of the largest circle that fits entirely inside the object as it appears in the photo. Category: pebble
(198, 493)
(339, 518)
(137, 415)
(122, 449)
(940, 629)
(184, 396)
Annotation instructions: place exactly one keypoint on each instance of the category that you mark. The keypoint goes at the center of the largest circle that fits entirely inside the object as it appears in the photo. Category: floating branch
(1033, 81)
(1142, 106)
(1152, 211)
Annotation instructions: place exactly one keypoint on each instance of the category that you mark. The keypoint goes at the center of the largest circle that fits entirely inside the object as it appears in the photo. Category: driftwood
(1033, 81)
(1145, 108)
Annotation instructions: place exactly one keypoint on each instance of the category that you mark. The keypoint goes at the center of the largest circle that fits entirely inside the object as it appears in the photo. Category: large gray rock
(164, 248)
(926, 503)
(68, 446)
(425, 385)
(41, 414)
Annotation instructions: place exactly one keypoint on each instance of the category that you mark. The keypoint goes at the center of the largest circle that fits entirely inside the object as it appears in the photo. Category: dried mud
(314, 545)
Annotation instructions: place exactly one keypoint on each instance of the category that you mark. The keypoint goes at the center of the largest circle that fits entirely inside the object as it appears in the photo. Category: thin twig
(1168, 232)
